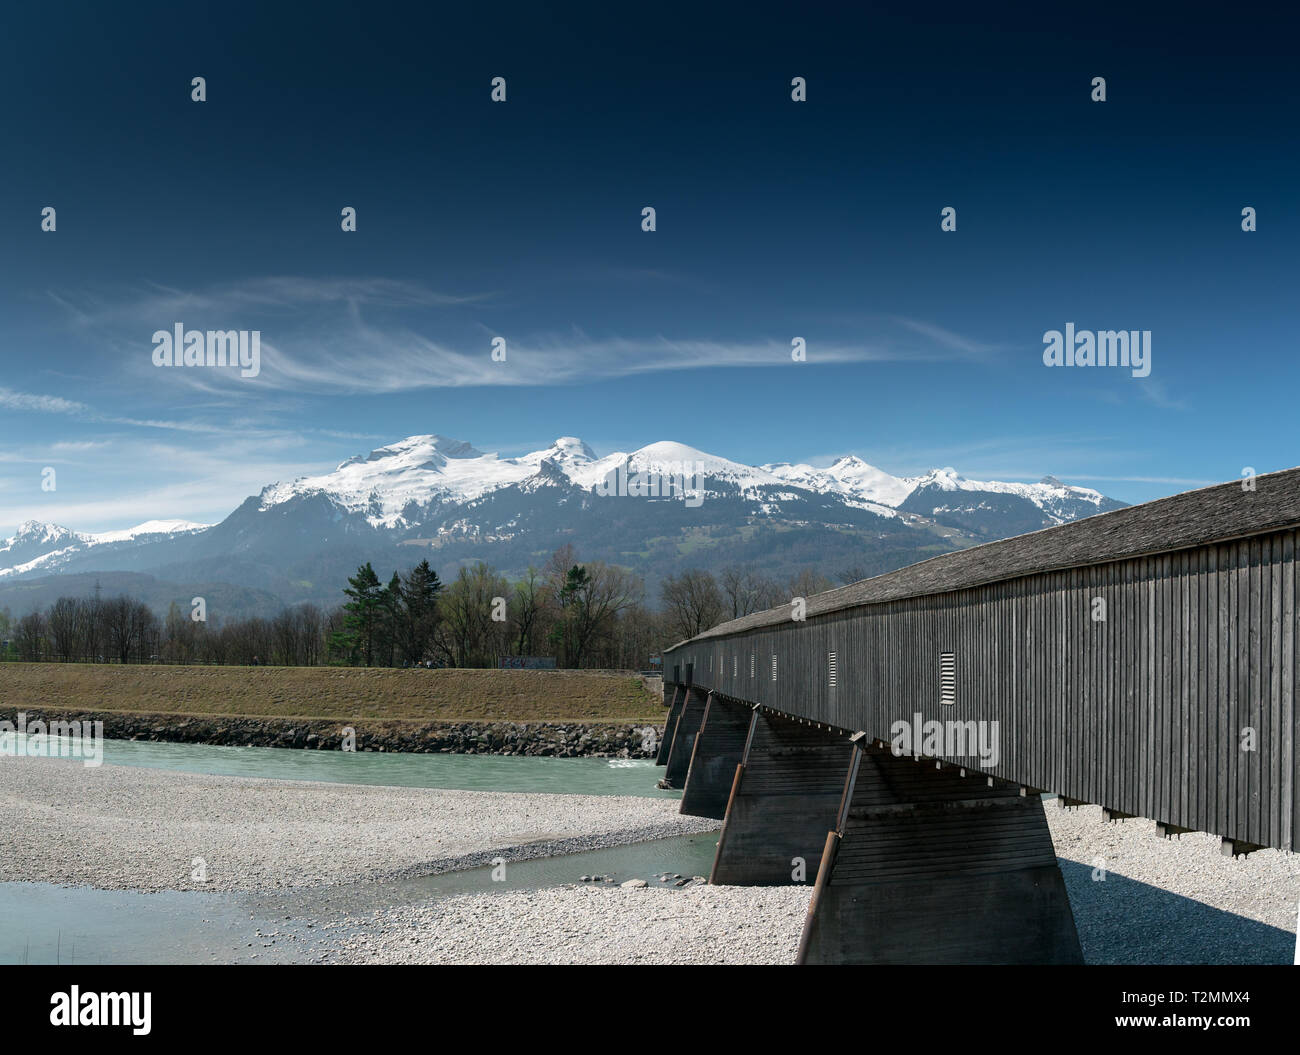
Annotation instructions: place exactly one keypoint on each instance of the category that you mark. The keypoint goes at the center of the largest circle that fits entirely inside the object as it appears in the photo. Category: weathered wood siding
(1144, 712)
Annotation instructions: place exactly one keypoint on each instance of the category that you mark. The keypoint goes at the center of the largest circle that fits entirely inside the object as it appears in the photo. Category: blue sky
(775, 220)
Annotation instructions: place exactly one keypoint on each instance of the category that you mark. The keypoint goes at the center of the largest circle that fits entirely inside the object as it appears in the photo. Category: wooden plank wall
(1144, 712)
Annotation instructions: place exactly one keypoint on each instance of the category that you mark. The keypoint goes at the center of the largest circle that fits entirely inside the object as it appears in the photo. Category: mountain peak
(669, 451)
(946, 479)
(574, 448)
(432, 448)
(42, 530)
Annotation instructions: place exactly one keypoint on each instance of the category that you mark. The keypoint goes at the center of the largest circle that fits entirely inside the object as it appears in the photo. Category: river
(44, 923)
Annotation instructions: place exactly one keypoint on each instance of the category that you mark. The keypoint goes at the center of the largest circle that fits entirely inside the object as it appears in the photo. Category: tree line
(122, 629)
(696, 599)
(584, 614)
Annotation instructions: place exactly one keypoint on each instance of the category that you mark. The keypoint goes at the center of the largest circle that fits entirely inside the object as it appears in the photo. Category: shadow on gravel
(1122, 920)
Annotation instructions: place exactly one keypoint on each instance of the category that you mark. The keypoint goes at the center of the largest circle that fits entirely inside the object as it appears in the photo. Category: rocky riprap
(554, 739)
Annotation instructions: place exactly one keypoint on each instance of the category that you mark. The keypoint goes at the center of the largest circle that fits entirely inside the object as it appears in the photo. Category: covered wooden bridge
(890, 741)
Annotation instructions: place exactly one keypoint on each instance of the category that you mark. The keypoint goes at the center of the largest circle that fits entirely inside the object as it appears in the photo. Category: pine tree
(418, 611)
(364, 612)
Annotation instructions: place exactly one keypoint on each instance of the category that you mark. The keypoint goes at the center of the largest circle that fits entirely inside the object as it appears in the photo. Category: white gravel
(1136, 898)
(581, 925)
(1139, 898)
(127, 828)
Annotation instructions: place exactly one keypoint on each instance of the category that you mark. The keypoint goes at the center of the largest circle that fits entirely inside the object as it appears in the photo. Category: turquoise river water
(44, 923)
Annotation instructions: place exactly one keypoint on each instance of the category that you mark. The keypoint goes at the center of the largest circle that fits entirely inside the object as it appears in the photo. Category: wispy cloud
(376, 336)
(107, 492)
(11, 400)
(953, 342)
(152, 302)
(379, 361)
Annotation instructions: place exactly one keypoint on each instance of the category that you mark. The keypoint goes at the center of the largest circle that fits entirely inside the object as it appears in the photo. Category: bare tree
(531, 602)
(807, 583)
(65, 621)
(693, 602)
(747, 591)
(30, 636)
(596, 599)
(470, 636)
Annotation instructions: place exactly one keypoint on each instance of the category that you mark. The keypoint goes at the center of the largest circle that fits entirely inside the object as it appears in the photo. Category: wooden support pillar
(784, 799)
(926, 867)
(719, 748)
(670, 726)
(688, 724)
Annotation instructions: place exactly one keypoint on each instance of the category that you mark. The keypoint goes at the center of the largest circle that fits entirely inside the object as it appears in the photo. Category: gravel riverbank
(580, 925)
(126, 828)
(1136, 898)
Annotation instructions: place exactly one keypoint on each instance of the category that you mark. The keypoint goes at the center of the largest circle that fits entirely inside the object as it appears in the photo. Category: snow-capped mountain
(851, 477)
(431, 496)
(988, 507)
(42, 547)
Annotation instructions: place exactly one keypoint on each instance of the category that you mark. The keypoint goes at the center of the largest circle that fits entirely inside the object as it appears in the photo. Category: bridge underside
(719, 747)
(912, 863)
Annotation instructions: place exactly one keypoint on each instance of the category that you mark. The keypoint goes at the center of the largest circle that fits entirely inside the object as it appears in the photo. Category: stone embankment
(555, 739)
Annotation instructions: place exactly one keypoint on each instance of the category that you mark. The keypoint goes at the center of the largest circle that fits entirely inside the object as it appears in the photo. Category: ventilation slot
(774, 666)
(735, 666)
(947, 678)
(832, 663)
(751, 664)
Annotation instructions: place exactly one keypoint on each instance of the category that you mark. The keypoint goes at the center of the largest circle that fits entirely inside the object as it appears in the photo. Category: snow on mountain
(431, 490)
(415, 471)
(149, 527)
(851, 477)
(567, 452)
(391, 484)
(1057, 500)
(666, 457)
(33, 532)
(38, 546)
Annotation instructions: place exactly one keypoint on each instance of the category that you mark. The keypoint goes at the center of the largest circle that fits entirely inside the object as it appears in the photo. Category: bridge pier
(670, 726)
(719, 748)
(924, 865)
(785, 797)
(678, 761)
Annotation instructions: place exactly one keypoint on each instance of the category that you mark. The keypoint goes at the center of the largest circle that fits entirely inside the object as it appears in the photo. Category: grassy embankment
(354, 694)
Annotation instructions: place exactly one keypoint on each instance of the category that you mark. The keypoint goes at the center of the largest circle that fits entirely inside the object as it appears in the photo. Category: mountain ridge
(446, 499)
